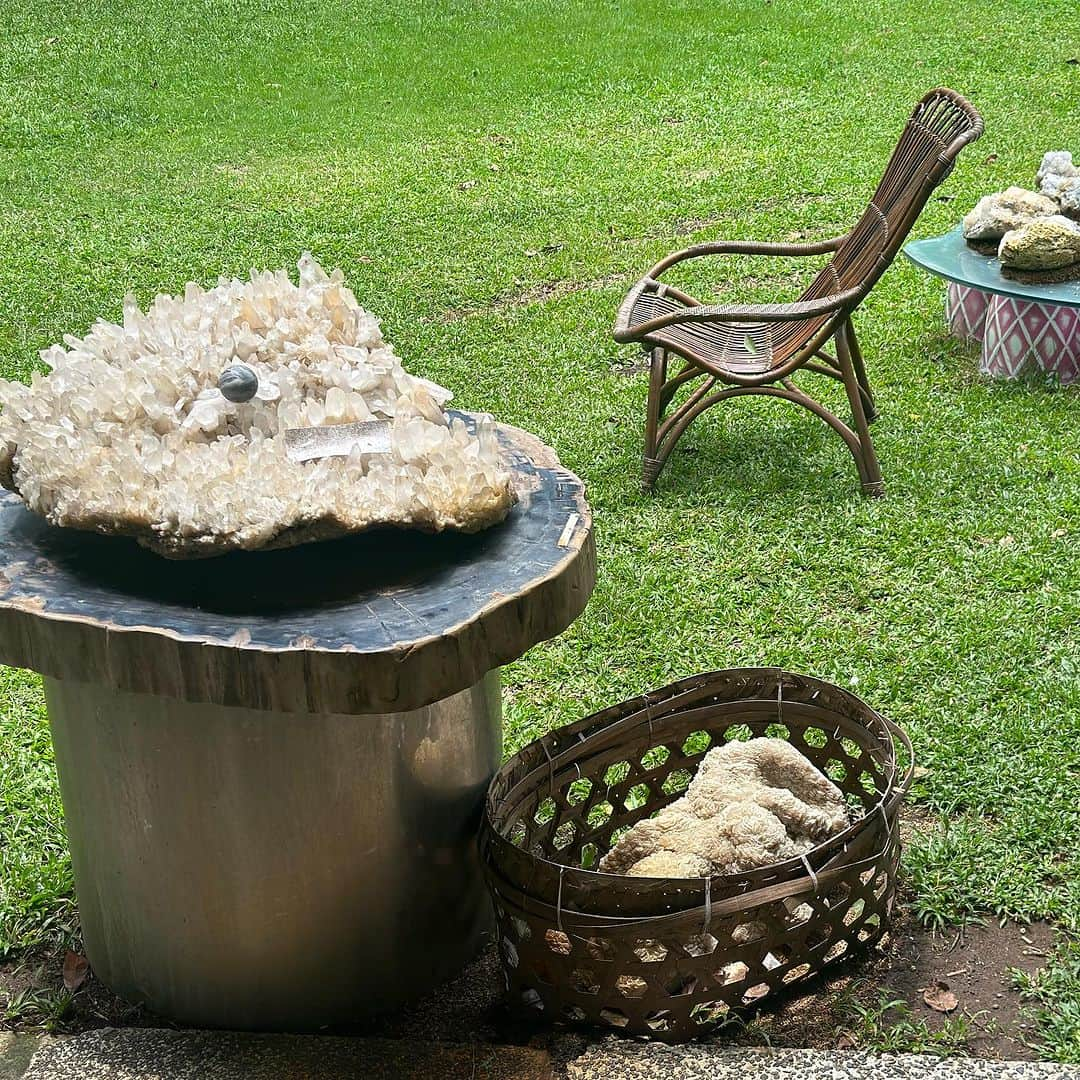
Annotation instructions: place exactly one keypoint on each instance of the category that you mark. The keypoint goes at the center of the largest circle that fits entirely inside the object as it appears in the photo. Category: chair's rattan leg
(651, 463)
(688, 374)
(650, 470)
(870, 408)
(869, 469)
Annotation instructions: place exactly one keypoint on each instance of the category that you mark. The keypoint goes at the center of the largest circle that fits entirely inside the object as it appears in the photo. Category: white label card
(337, 440)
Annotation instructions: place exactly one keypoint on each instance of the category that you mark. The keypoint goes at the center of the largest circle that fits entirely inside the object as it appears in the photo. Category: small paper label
(568, 531)
(337, 440)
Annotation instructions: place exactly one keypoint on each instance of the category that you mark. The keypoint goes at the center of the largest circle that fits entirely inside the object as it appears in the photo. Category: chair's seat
(738, 348)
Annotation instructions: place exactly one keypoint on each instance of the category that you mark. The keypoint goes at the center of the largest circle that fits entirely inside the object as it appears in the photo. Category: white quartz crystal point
(994, 215)
(1051, 243)
(439, 393)
(1055, 172)
(130, 433)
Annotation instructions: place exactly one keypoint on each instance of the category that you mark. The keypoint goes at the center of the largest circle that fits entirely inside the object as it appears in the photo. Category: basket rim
(895, 789)
(580, 923)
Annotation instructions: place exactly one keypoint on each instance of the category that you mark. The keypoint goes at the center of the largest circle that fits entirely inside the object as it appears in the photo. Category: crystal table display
(1021, 327)
(272, 763)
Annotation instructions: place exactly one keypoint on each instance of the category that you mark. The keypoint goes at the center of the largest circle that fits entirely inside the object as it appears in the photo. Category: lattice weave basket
(673, 958)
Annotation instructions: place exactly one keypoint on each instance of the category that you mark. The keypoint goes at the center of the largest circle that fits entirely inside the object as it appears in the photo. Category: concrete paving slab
(15, 1053)
(152, 1054)
(625, 1060)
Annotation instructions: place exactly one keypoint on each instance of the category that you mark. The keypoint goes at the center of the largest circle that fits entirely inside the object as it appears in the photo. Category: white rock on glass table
(129, 433)
(1068, 197)
(995, 215)
(1055, 172)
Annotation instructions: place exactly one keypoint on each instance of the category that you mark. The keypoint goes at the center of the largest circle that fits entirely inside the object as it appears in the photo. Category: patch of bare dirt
(973, 965)
(33, 996)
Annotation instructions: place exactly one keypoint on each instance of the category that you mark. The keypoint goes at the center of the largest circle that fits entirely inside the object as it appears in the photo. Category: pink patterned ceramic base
(965, 311)
(1016, 335)
(1021, 334)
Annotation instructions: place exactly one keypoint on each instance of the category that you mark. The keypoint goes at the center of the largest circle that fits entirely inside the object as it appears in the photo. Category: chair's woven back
(942, 124)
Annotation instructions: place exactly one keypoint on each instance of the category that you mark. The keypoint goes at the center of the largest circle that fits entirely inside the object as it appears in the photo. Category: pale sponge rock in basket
(129, 434)
(751, 804)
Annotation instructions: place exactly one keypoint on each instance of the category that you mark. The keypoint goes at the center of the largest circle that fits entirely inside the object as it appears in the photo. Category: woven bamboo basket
(674, 958)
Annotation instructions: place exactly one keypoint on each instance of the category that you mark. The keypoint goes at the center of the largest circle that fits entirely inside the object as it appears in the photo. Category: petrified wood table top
(385, 621)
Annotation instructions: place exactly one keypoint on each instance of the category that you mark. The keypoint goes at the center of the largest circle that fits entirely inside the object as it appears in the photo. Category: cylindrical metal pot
(252, 869)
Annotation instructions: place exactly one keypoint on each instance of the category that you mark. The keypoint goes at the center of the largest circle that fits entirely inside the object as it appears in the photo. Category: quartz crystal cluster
(1033, 231)
(129, 432)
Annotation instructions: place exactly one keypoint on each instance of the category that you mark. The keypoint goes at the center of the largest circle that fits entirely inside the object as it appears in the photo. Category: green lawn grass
(491, 177)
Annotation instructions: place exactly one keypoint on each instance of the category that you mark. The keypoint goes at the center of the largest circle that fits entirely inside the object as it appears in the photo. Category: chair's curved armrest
(745, 313)
(745, 247)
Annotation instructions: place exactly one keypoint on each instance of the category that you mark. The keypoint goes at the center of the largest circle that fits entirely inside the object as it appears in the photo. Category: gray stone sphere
(238, 383)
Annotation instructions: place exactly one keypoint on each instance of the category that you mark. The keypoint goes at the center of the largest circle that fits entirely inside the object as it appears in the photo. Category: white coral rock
(1051, 243)
(750, 805)
(129, 433)
(776, 776)
(670, 864)
(994, 215)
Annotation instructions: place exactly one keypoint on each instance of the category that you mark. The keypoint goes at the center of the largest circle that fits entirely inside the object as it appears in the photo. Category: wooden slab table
(272, 764)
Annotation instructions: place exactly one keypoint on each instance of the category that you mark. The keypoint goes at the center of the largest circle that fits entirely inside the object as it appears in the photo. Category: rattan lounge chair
(739, 349)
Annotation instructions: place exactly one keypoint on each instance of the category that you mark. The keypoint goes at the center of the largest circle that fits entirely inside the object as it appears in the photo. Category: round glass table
(1020, 327)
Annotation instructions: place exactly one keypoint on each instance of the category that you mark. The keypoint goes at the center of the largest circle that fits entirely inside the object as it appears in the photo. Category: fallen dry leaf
(76, 968)
(940, 998)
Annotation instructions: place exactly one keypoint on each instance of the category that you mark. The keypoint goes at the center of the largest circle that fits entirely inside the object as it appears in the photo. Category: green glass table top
(949, 257)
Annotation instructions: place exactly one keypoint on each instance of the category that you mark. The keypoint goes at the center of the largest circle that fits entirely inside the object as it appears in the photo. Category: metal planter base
(259, 870)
